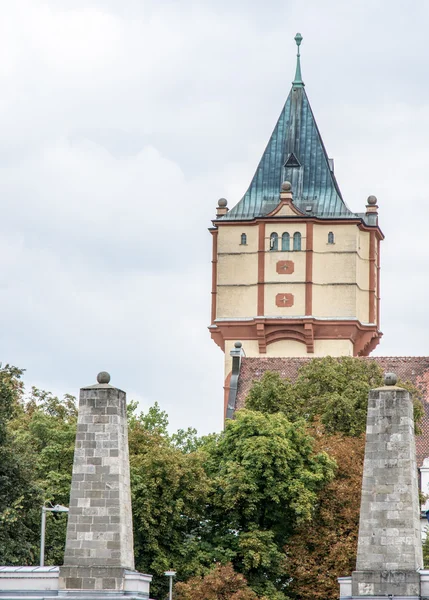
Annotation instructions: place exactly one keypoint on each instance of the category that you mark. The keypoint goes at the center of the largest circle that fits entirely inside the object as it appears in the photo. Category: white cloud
(122, 123)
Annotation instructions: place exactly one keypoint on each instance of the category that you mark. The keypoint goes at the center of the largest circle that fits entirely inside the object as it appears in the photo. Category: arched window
(243, 239)
(274, 241)
(285, 242)
(330, 238)
(297, 241)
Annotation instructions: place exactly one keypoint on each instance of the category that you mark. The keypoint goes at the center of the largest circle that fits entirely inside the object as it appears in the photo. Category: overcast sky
(123, 121)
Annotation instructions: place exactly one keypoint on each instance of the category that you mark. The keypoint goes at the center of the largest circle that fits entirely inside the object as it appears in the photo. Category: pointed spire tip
(298, 82)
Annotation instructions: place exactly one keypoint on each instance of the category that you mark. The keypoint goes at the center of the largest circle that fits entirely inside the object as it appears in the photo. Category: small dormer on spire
(298, 82)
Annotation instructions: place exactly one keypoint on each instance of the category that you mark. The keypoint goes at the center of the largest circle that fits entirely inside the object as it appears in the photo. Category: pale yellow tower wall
(340, 272)
(236, 301)
(338, 279)
(237, 271)
(229, 238)
(334, 301)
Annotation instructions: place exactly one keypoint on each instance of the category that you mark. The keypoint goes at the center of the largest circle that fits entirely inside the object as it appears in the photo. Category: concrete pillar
(99, 544)
(389, 547)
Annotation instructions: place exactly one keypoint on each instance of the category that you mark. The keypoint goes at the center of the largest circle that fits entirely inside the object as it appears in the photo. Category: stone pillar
(99, 545)
(389, 547)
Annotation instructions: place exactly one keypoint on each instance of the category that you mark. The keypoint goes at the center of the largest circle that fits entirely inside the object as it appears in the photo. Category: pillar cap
(390, 379)
(103, 377)
(103, 382)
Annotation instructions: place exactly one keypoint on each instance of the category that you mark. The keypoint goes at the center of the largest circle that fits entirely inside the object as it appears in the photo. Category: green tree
(325, 548)
(169, 492)
(426, 550)
(331, 394)
(333, 390)
(44, 429)
(265, 479)
(272, 394)
(19, 496)
(221, 583)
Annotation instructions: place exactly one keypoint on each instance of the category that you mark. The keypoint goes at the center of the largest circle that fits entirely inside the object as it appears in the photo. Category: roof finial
(298, 82)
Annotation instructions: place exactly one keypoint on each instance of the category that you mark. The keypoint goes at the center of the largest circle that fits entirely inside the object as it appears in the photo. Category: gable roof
(407, 368)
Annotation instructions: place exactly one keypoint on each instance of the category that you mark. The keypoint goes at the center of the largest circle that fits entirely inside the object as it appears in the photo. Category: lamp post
(58, 508)
(170, 574)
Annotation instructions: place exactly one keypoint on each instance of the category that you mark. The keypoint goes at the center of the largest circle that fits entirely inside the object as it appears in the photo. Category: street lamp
(58, 508)
(170, 574)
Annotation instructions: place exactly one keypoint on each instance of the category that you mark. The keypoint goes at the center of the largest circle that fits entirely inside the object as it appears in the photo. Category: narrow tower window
(243, 239)
(330, 238)
(297, 241)
(274, 241)
(285, 242)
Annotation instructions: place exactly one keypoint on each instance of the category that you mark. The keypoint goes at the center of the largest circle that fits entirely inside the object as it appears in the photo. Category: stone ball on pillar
(390, 379)
(103, 377)
(286, 186)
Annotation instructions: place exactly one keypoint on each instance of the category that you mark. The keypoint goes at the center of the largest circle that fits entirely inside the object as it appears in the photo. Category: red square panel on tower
(285, 300)
(285, 267)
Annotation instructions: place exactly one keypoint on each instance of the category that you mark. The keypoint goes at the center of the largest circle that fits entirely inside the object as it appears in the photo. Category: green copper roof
(295, 153)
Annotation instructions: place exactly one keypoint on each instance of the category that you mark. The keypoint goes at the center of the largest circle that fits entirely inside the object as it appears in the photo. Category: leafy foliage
(221, 583)
(325, 549)
(253, 512)
(44, 430)
(332, 390)
(426, 550)
(272, 394)
(18, 493)
(265, 478)
(169, 489)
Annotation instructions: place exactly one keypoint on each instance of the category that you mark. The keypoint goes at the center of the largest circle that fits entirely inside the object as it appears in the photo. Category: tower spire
(298, 82)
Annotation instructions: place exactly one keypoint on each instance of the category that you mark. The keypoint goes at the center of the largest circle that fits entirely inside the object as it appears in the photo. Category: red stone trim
(284, 300)
(214, 274)
(261, 267)
(305, 330)
(282, 220)
(309, 270)
(309, 337)
(285, 267)
(286, 202)
(378, 283)
(372, 277)
(262, 340)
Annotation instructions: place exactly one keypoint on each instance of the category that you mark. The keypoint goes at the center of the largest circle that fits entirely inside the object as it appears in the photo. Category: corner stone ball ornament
(103, 377)
(390, 379)
(372, 200)
(286, 186)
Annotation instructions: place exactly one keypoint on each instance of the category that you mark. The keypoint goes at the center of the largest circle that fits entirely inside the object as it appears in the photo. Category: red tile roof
(411, 368)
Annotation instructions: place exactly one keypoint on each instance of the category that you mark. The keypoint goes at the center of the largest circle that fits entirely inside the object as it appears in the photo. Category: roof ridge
(311, 357)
